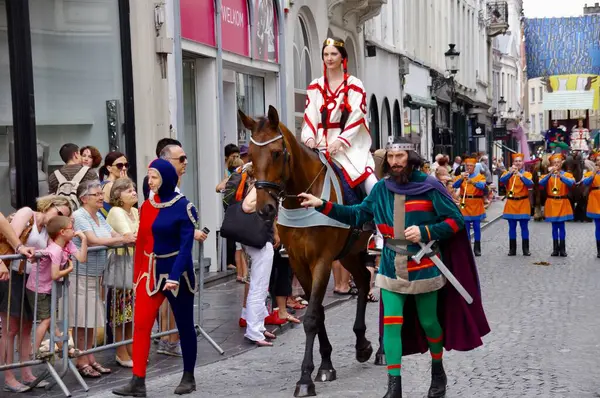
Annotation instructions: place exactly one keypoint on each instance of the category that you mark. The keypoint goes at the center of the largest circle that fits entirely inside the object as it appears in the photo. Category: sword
(426, 249)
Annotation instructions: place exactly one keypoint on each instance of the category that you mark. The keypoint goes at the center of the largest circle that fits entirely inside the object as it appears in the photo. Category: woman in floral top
(124, 219)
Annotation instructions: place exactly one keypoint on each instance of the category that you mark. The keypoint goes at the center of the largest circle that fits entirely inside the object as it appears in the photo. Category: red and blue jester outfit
(164, 254)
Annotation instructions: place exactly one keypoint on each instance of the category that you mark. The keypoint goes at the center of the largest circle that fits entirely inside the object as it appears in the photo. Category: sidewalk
(221, 311)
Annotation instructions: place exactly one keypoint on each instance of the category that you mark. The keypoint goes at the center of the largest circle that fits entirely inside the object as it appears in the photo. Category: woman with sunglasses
(14, 324)
(115, 167)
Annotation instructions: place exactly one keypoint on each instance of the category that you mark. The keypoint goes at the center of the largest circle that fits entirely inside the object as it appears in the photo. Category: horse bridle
(277, 190)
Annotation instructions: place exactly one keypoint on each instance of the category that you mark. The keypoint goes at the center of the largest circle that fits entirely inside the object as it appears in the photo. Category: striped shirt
(96, 260)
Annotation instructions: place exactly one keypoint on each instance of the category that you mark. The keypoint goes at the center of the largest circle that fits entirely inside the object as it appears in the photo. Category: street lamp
(452, 59)
(501, 105)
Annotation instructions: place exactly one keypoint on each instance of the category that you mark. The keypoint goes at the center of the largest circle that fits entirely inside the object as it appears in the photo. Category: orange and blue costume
(592, 180)
(471, 204)
(518, 206)
(557, 208)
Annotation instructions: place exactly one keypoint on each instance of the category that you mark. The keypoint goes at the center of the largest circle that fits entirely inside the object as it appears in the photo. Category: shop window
(250, 96)
(302, 70)
(397, 120)
(374, 124)
(386, 122)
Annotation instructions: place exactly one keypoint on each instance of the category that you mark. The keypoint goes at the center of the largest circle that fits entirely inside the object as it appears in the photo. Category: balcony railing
(496, 18)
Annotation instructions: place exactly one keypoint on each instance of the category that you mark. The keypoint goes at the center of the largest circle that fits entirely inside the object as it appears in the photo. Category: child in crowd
(55, 265)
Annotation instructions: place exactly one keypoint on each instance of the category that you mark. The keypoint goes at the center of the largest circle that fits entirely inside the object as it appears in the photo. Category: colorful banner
(562, 46)
(580, 83)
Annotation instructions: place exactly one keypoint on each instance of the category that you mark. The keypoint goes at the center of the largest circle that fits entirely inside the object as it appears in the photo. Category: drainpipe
(219, 60)
(283, 114)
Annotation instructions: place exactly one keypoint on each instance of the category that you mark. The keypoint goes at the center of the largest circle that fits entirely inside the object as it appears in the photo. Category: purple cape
(463, 325)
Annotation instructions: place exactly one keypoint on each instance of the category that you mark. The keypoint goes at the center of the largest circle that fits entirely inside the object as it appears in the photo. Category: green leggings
(393, 305)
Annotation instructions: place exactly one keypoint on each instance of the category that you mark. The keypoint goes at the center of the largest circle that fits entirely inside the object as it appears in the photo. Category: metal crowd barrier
(69, 294)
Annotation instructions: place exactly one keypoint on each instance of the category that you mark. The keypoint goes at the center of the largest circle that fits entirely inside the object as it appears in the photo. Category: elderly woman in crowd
(35, 222)
(86, 311)
(124, 219)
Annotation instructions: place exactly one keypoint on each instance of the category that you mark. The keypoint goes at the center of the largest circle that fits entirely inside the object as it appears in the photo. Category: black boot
(512, 247)
(562, 249)
(135, 388)
(598, 248)
(438, 381)
(187, 384)
(477, 248)
(394, 387)
(554, 248)
(526, 251)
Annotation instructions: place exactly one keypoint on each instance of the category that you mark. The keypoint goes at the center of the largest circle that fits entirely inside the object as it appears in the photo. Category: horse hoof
(364, 354)
(326, 375)
(380, 359)
(305, 390)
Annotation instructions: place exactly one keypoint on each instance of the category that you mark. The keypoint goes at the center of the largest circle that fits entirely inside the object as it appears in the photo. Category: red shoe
(273, 319)
(242, 322)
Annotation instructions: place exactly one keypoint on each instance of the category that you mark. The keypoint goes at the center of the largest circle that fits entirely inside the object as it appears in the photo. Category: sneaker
(173, 349)
(162, 346)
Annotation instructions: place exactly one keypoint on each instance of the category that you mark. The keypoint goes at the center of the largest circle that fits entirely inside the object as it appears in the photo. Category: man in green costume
(410, 208)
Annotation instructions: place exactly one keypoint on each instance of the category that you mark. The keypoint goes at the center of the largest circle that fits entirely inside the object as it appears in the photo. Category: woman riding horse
(335, 118)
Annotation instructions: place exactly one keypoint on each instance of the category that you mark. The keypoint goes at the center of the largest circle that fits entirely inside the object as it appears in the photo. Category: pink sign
(198, 21)
(235, 27)
(265, 31)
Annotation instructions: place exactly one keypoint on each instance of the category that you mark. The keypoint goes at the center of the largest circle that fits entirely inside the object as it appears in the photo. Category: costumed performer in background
(592, 180)
(518, 206)
(557, 208)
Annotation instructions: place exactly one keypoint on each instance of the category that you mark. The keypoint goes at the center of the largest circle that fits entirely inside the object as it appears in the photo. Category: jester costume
(471, 204)
(518, 206)
(592, 180)
(557, 208)
(412, 291)
(164, 254)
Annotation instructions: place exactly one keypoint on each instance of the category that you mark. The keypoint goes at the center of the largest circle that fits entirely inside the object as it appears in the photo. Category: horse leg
(312, 322)
(326, 371)
(362, 279)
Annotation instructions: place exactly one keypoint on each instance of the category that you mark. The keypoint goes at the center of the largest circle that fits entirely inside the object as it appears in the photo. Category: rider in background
(335, 119)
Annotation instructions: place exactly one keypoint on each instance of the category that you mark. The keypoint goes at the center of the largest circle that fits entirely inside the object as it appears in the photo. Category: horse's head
(270, 161)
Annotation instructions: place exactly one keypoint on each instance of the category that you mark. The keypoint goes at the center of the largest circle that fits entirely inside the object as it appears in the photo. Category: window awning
(416, 101)
(569, 100)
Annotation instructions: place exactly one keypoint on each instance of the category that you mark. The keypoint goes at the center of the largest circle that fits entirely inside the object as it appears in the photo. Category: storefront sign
(198, 22)
(265, 31)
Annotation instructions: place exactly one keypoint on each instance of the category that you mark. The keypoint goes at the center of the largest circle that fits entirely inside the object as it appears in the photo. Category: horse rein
(271, 186)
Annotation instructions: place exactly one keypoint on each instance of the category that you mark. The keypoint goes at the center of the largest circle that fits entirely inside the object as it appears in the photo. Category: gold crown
(332, 42)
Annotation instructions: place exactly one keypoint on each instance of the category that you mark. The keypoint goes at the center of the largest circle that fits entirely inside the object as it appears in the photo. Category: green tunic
(438, 218)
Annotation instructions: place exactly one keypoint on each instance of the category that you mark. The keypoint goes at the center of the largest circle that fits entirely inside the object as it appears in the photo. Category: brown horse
(283, 168)
(538, 193)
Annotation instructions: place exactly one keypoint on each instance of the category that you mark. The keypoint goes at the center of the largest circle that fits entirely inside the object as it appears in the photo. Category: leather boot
(526, 251)
(554, 248)
(477, 248)
(135, 388)
(187, 385)
(438, 381)
(394, 387)
(562, 249)
(512, 247)
(598, 248)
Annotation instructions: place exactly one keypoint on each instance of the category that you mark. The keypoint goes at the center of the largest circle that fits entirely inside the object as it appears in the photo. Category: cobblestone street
(543, 341)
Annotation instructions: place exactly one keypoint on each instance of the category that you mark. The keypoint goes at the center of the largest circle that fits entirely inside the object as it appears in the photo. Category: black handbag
(246, 228)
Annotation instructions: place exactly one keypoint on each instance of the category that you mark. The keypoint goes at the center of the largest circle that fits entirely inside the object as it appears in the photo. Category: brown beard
(401, 177)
